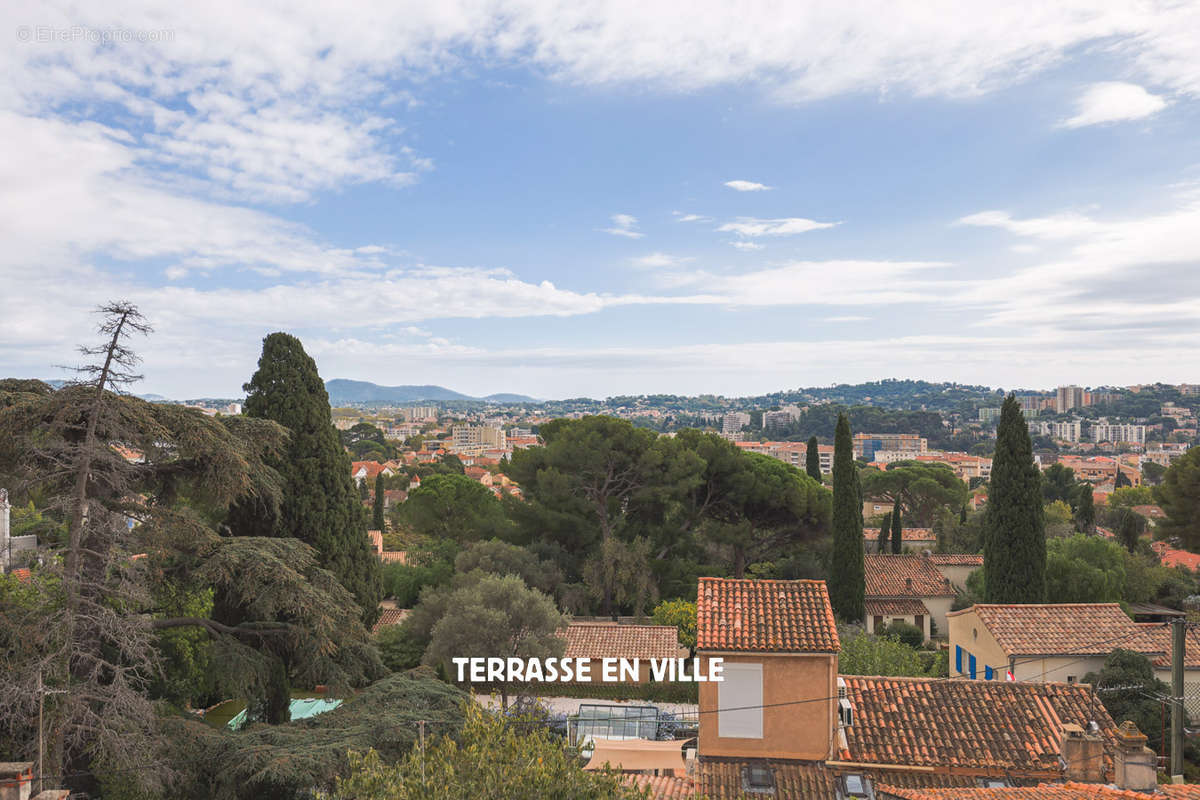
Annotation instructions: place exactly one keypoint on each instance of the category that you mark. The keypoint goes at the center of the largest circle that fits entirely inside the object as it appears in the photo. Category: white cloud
(788, 226)
(681, 217)
(175, 273)
(850, 318)
(655, 260)
(1067, 225)
(747, 186)
(624, 225)
(747, 246)
(1114, 101)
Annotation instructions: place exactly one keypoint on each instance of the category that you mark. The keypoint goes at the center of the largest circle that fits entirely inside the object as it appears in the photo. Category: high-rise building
(1103, 431)
(865, 444)
(478, 437)
(1068, 397)
(734, 421)
(1066, 431)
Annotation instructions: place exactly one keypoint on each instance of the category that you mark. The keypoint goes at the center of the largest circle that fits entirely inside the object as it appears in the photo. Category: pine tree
(897, 529)
(320, 506)
(1014, 534)
(885, 532)
(847, 583)
(377, 521)
(812, 460)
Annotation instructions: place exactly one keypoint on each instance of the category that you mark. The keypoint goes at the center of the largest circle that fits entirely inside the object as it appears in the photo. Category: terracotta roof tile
(905, 576)
(1077, 629)
(612, 640)
(957, 559)
(389, 616)
(901, 606)
(989, 726)
(1045, 791)
(1174, 557)
(664, 787)
(760, 615)
(721, 779)
(1159, 638)
(394, 556)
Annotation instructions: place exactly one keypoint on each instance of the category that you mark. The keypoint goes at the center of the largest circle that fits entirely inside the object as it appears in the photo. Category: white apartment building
(419, 413)
(1103, 431)
(478, 437)
(734, 421)
(1067, 431)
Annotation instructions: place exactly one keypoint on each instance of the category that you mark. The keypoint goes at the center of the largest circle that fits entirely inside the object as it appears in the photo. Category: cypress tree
(897, 529)
(885, 530)
(377, 521)
(812, 460)
(320, 506)
(1015, 531)
(847, 582)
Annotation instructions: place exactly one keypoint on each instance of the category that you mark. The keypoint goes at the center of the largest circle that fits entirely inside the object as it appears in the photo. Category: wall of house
(939, 607)
(968, 633)
(957, 574)
(800, 730)
(888, 619)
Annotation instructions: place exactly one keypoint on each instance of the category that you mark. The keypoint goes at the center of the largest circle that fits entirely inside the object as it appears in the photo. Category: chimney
(908, 584)
(1082, 755)
(1134, 763)
(16, 780)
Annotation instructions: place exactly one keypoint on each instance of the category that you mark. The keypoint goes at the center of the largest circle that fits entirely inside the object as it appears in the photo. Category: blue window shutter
(988, 673)
(958, 659)
(972, 667)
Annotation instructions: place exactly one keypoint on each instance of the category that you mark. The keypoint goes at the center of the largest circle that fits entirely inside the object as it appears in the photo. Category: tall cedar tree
(847, 582)
(1015, 532)
(885, 533)
(377, 520)
(812, 460)
(897, 529)
(320, 506)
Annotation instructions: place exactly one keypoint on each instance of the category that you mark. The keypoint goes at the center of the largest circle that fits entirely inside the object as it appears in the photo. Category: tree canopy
(1015, 538)
(1179, 496)
(847, 581)
(921, 488)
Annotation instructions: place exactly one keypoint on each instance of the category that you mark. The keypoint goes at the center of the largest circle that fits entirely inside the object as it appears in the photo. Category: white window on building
(739, 702)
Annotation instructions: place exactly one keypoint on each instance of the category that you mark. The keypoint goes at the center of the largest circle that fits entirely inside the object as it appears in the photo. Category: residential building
(912, 540)
(1049, 642)
(368, 470)
(1189, 389)
(907, 588)
(468, 438)
(866, 444)
(1068, 397)
(783, 725)
(794, 453)
(1034, 404)
(1104, 431)
(965, 466)
(596, 641)
(734, 421)
(420, 414)
(1100, 470)
(989, 414)
(1071, 431)
(779, 643)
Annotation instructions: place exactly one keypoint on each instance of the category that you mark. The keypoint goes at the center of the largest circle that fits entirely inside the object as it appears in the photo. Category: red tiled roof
(957, 559)
(917, 535)
(1158, 637)
(664, 787)
(1045, 791)
(760, 615)
(1174, 557)
(373, 468)
(899, 607)
(721, 779)
(1153, 512)
(23, 575)
(389, 616)
(904, 576)
(376, 538)
(990, 726)
(1077, 629)
(394, 556)
(612, 640)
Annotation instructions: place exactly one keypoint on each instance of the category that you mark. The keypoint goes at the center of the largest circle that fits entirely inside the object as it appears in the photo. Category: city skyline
(560, 201)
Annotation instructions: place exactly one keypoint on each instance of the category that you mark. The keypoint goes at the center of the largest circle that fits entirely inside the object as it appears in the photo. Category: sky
(603, 197)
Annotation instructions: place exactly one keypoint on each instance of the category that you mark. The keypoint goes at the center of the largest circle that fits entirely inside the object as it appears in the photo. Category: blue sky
(598, 198)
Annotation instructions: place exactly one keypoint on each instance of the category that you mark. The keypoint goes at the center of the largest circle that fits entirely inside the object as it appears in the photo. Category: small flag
(1008, 676)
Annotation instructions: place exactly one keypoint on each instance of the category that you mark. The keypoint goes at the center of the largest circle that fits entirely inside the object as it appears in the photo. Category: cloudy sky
(595, 197)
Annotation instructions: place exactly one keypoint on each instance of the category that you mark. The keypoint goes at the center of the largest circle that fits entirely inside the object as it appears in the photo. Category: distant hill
(344, 392)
